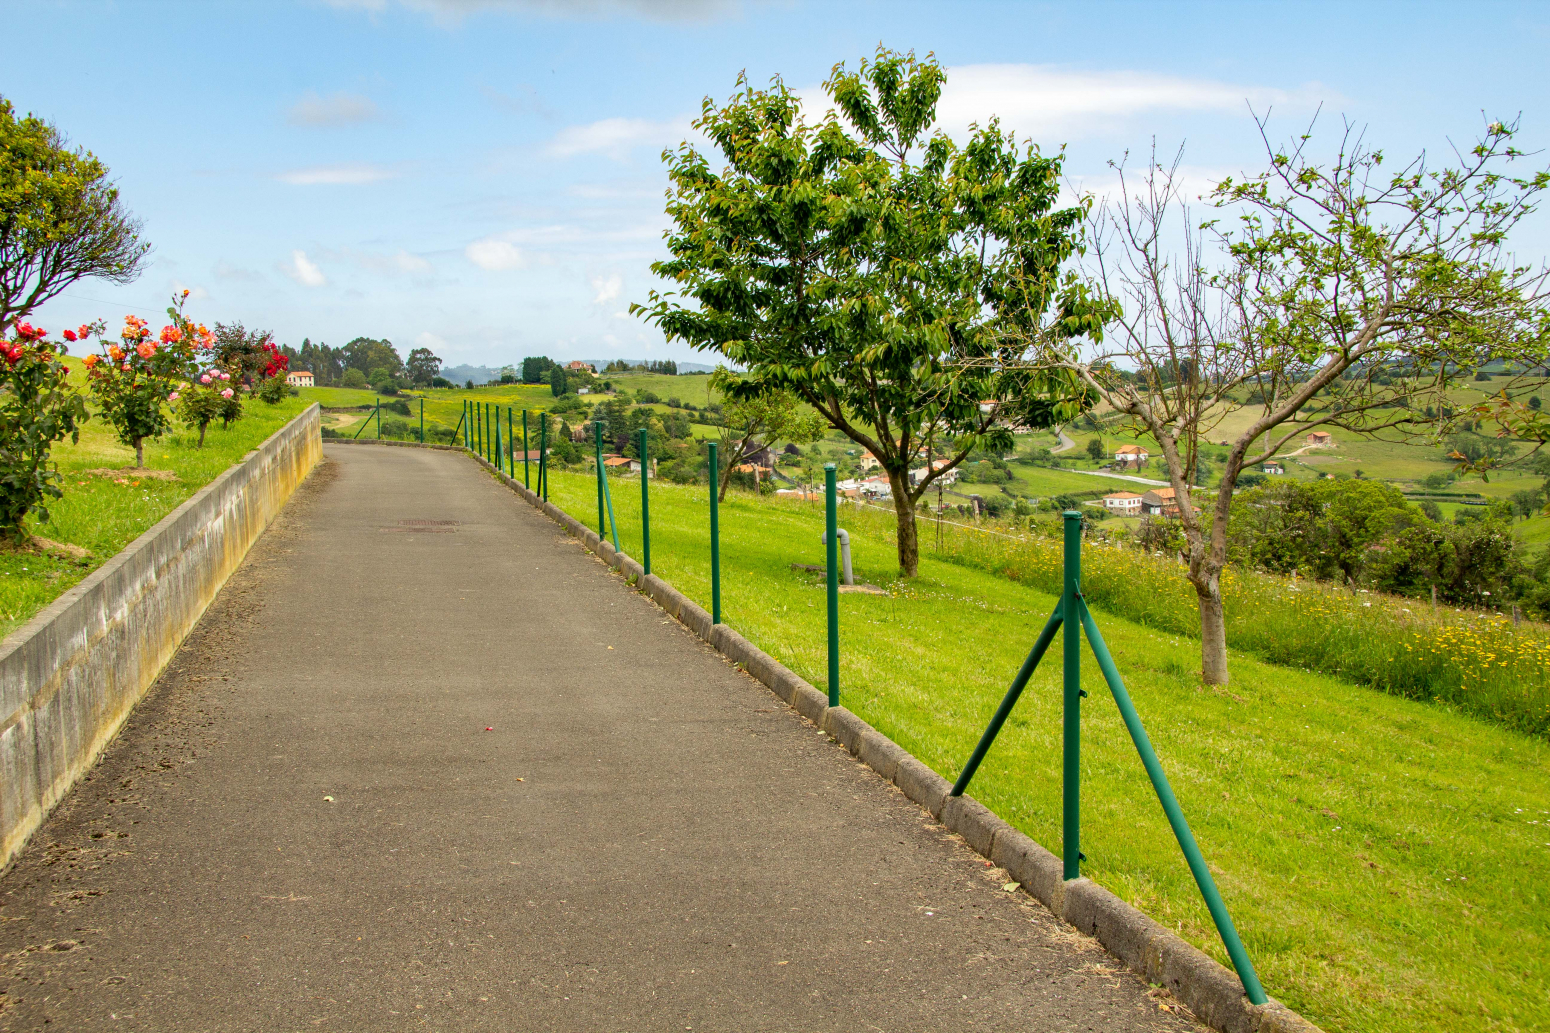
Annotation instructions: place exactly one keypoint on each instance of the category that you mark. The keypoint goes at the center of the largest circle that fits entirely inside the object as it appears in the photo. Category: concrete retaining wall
(72, 674)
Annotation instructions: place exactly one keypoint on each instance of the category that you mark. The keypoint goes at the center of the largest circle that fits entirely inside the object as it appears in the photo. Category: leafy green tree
(1095, 450)
(60, 218)
(422, 367)
(878, 275)
(354, 378)
(534, 368)
(1324, 529)
(367, 354)
(755, 422)
(558, 382)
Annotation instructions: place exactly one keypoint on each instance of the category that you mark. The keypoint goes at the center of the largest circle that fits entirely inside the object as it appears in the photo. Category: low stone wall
(72, 674)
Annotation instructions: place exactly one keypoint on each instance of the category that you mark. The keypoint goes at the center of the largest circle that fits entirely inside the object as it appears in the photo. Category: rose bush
(136, 379)
(37, 408)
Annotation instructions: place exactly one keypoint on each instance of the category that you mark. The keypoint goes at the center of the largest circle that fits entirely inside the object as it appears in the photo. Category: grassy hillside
(1386, 860)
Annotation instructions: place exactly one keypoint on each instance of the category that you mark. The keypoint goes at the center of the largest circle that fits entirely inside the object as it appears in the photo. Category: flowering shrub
(136, 379)
(253, 359)
(37, 408)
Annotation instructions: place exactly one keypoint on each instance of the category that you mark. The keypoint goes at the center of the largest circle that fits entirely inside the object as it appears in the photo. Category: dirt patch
(131, 472)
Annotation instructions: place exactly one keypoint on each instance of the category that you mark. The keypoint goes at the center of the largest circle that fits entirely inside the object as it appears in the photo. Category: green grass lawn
(104, 514)
(1385, 860)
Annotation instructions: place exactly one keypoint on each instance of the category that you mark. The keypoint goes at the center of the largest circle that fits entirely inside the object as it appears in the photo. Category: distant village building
(1321, 437)
(1272, 467)
(299, 378)
(1124, 503)
(1160, 502)
(950, 477)
(869, 461)
(578, 365)
(1131, 455)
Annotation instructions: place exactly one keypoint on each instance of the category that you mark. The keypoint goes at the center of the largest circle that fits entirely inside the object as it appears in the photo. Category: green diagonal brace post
(645, 503)
(1010, 700)
(597, 435)
(1170, 805)
(832, 578)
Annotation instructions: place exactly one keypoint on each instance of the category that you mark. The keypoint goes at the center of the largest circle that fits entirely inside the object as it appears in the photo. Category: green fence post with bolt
(1071, 737)
(597, 435)
(645, 503)
(525, 482)
(832, 576)
(715, 538)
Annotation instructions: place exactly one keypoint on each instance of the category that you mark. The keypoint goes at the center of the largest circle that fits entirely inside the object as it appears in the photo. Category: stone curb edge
(1209, 989)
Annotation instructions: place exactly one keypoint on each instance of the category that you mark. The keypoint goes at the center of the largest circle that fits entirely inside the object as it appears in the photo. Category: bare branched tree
(1342, 296)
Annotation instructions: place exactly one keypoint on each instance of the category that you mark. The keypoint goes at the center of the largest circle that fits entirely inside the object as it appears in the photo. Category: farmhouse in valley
(299, 378)
(1321, 437)
(1123, 503)
(1131, 455)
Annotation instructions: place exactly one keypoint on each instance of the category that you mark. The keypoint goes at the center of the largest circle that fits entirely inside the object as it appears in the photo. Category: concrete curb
(1210, 990)
(71, 676)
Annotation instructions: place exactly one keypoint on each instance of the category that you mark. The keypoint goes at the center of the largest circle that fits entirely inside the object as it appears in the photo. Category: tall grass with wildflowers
(1477, 661)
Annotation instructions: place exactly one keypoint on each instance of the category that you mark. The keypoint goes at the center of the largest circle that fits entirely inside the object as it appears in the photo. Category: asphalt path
(426, 763)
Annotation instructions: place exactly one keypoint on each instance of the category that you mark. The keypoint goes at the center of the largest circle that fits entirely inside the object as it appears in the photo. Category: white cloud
(616, 137)
(341, 109)
(429, 340)
(348, 174)
(303, 270)
(496, 255)
(1043, 101)
(401, 262)
(608, 289)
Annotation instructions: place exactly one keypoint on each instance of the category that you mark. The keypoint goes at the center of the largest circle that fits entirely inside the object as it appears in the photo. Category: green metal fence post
(500, 445)
(645, 504)
(525, 482)
(597, 435)
(1170, 805)
(422, 419)
(1071, 776)
(543, 454)
(511, 444)
(715, 538)
(832, 575)
(463, 425)
(379, 419)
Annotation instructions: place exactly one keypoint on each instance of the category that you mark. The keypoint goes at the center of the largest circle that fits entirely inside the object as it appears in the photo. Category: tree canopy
(859, 263)
(60, 218)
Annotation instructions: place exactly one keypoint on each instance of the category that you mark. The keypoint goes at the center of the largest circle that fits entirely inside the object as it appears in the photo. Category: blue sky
(483, 177)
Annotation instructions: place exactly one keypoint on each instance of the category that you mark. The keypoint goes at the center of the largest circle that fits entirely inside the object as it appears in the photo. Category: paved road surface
(307, 826)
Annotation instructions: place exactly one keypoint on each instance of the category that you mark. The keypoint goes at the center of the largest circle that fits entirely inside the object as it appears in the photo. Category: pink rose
(205, 379)
(172, 397)
(227, 393)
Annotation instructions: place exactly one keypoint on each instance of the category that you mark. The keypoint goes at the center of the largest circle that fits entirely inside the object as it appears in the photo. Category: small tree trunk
(1213, 632)
(202, 428)
(908, 535)
(726, 481)
(139, 453)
